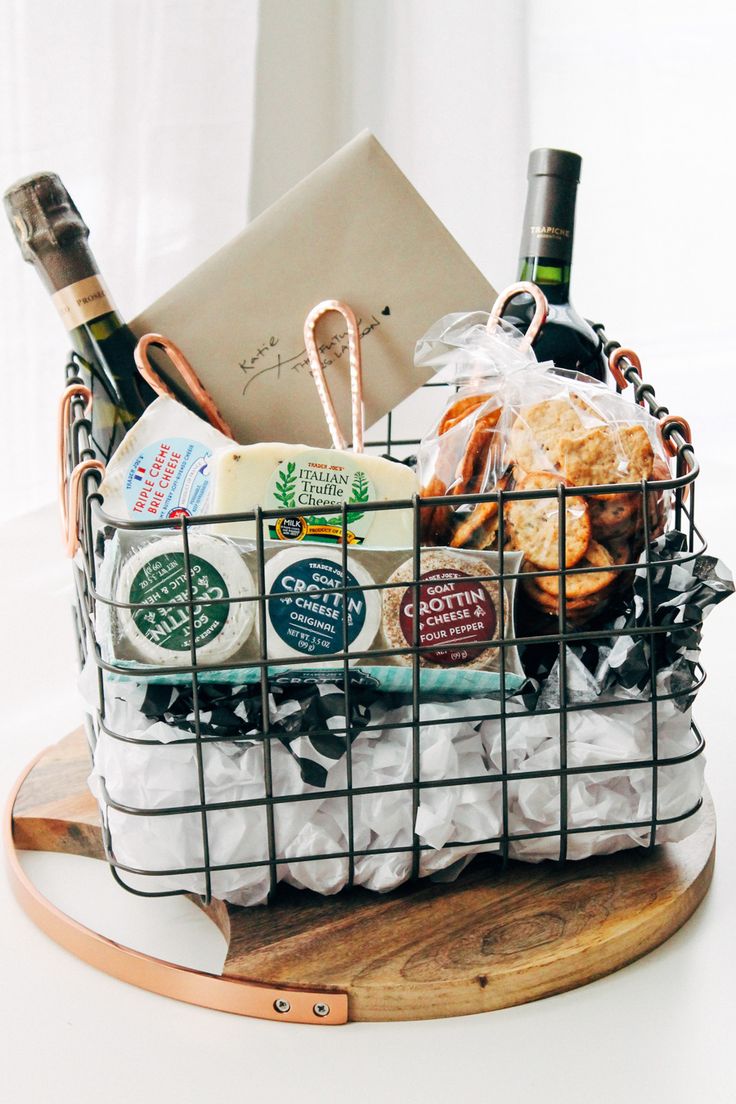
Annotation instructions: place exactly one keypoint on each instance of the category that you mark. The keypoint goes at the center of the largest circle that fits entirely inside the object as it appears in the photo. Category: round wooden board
(490, 940)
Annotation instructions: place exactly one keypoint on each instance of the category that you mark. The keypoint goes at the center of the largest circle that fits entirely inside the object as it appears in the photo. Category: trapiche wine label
(82, 301)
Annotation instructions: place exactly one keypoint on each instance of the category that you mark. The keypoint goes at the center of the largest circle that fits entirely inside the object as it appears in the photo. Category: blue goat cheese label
(307, 610)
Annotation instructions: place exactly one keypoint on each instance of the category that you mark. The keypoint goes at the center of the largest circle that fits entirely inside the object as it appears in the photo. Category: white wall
(442, 85)
(645, 92)
(144, 108)
(460, 92)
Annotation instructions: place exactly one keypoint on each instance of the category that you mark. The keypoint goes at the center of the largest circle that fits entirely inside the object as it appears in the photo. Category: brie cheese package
(161, 469)
(316, 482)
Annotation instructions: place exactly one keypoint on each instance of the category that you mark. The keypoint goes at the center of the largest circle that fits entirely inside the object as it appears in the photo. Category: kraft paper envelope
(356, 230)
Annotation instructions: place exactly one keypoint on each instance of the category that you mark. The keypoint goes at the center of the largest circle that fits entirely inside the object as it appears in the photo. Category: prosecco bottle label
(82, 301)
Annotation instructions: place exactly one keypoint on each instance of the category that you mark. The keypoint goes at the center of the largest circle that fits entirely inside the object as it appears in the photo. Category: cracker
(534, 436)
(606, 454)
(534, 524)
(659, 501)
(479, 529)
(459, 410)
(661, 469)
(621, 551)
(472, 468)
(582, 586)
(625, 551)
(657, 516)
(614, 516)
(580, 608)
(471, 471)
(434, 521)
(639, 452)
(578, 617)
(450, 421)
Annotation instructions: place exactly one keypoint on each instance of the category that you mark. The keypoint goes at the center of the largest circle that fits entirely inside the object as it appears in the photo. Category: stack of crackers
(557, 442)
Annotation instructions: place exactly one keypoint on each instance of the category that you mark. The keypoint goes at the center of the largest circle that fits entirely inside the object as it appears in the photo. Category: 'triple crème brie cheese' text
(161, 469)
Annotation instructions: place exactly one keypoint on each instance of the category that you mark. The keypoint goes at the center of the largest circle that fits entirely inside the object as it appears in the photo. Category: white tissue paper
(167, 852)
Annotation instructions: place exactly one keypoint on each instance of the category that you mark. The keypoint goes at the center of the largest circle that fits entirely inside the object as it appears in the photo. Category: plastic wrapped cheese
(162, 467)
(155, 578)
(311, 609)
(308, 618)
(315, 482)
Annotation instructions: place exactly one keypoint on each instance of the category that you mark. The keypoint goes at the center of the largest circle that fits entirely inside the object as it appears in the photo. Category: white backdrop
(172, 122)
(145, 109)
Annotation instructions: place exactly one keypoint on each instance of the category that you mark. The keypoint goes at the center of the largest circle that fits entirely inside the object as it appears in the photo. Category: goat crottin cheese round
(458, 612)
(307, 619)
(156, 574)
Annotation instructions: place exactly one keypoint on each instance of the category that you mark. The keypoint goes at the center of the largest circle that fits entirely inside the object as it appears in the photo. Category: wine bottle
(53, 237)
(545, 258)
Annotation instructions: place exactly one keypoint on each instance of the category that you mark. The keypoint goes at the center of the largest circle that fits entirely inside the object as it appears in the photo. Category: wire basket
(261, 818)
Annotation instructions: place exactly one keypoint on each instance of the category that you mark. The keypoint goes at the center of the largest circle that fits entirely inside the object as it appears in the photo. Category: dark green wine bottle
(545, 258)
(53, 238)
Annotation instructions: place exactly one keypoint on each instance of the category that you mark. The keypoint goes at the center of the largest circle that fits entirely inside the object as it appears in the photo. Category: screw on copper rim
(68, 395)
(614, 363)
(356, 372)
(524, 287)
(670, 424)
(200, 393)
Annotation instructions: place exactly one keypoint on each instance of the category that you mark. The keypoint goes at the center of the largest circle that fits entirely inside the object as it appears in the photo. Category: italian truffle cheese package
(315, 484)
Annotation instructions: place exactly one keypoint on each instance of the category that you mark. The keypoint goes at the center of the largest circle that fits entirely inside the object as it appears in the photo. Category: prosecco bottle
(545, 258)
(53, 237)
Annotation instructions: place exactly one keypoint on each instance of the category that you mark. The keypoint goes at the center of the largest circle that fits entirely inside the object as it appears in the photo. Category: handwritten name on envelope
(355, 229)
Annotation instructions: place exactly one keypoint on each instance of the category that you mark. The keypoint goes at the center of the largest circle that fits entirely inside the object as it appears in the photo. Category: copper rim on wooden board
(244, 998)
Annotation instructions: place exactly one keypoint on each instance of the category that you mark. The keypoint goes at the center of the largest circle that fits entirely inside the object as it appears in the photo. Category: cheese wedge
(314, 484)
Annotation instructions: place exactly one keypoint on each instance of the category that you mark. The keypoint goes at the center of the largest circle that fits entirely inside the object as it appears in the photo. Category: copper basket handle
(202, 396)
(670, 423)
(614, 364)
(524, 287)
(356, 372)
(70, 489)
